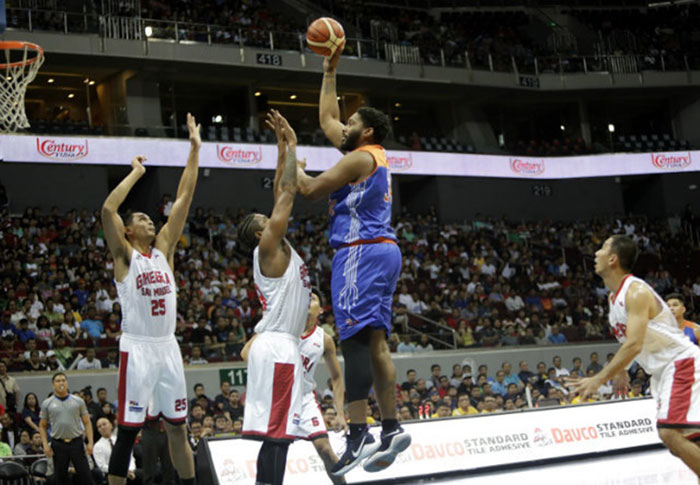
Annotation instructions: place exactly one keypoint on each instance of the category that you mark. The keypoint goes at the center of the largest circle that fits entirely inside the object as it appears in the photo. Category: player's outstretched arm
(329, 111)
(112, 223)
(640, 305)
(272, 121)
(172, 230)
(331, 357)
(271, 258)
(349, 169)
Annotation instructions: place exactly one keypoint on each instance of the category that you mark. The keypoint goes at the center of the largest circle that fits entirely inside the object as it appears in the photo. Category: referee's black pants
(65, 453)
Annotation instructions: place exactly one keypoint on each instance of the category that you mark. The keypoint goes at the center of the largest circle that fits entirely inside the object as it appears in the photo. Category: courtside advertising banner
(466, 444)
(163, 152)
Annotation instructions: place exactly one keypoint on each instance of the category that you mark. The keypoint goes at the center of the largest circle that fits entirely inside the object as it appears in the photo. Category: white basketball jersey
(284, 300)
(311, 350)
(148, 296)
(663, 343)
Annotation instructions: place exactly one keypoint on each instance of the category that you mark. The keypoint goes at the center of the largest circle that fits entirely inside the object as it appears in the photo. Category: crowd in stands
(59, 308)
(649, 33)
(646, 32)
(668, 32)
(247, 21)
(494, 282)
(467, 389)
(552, 148)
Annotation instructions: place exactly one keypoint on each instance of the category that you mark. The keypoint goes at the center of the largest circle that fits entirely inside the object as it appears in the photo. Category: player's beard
(350, 142)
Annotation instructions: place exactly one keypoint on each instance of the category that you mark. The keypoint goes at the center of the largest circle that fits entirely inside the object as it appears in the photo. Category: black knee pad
(358, 366)
(121, 453)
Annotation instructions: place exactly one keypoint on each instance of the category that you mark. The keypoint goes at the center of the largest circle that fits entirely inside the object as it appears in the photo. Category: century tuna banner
(173, 153)
(467, 443)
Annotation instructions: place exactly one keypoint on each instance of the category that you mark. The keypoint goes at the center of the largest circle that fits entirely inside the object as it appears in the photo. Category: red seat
(107, 342)
(84, 342)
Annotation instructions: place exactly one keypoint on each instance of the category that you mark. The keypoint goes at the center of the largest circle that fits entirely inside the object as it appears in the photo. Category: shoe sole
(367, 450)
(384, 459)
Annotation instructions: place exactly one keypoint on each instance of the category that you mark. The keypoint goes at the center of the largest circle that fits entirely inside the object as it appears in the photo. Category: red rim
(20, 45)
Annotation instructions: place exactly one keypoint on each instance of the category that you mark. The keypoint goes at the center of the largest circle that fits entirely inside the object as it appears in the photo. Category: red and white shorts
(151, 380)
(274, 391)
(677, 394)
(312, 425)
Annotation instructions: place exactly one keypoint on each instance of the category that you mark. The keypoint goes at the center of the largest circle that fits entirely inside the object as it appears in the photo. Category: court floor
(644, 468)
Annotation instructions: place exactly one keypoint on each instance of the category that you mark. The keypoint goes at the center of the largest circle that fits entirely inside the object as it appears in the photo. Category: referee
(66, 416)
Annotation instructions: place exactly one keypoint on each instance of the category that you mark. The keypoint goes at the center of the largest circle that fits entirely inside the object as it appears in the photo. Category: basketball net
(22, 61)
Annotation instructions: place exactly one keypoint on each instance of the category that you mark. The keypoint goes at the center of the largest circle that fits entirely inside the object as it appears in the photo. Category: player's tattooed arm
(328, 108)
(273, 261)
(288, 180)
(272, 121)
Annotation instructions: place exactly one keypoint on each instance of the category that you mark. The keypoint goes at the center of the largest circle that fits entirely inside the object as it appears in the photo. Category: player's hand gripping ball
(324, 36)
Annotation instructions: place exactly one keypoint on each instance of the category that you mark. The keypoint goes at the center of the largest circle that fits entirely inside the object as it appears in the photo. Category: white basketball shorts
(312, 425)
(677, 394)
(151, 380)
(274, 391)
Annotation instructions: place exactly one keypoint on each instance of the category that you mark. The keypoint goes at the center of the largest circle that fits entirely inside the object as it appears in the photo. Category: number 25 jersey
(148, 296)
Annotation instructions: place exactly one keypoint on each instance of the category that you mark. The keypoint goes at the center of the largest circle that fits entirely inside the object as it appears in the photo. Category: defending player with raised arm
(151, 374)
(274, 391)
(649, 334)
(312, 345)
(365, 270)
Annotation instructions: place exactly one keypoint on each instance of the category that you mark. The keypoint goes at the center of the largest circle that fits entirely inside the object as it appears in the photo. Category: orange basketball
(324, 36)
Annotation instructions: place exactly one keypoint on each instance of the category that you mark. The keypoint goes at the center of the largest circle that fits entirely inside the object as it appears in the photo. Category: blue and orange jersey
(689, 330)
(361, 211)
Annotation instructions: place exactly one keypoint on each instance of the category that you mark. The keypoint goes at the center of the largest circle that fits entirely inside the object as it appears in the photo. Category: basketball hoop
(22, 62)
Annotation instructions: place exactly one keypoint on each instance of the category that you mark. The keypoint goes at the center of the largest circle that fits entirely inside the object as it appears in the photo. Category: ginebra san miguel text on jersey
(148, 296)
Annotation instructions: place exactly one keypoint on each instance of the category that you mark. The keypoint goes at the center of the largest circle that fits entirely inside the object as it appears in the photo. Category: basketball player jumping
(314, 344)
(151, 375)
(650, 335)
(677, 305)
(274, 392)
(365, 269)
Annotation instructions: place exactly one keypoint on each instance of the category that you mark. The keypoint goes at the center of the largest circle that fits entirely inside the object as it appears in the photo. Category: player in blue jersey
(366, 267)
(677, 305)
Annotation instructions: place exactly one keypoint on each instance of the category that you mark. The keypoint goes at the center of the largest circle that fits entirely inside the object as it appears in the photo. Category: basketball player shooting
(274, 392)
(649, 334)
(365, 269)
(151, 374)
(314, 344)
